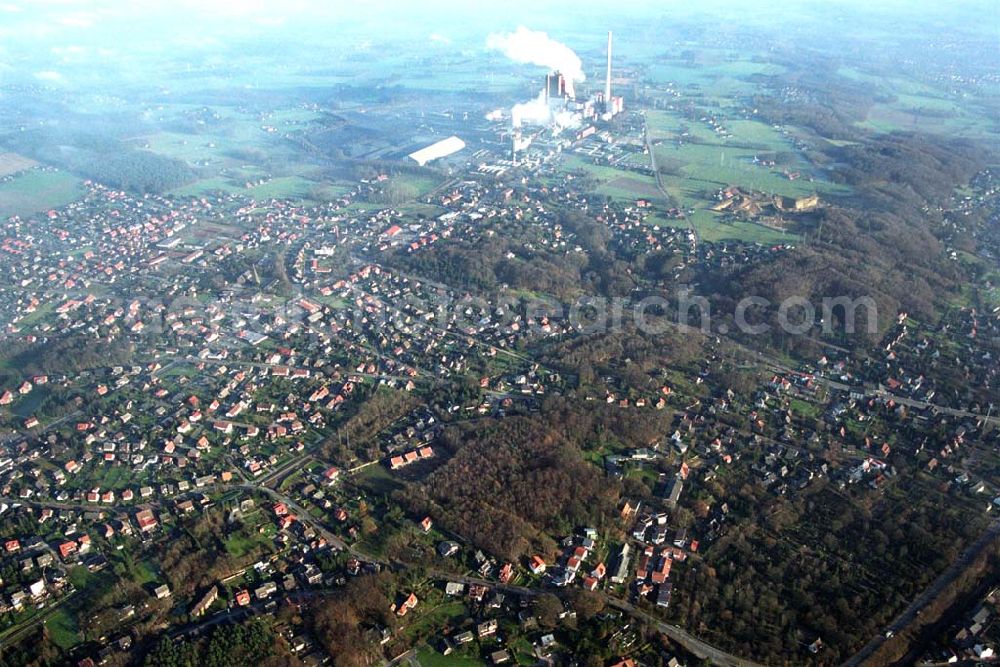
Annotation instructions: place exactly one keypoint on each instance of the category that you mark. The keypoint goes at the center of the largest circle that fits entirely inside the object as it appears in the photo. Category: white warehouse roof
(437, 150)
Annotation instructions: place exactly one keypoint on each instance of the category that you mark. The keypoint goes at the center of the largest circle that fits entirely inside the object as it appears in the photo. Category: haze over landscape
(525, 333)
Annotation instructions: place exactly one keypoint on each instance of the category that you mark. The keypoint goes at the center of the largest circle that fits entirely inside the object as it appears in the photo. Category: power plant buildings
(558, 108)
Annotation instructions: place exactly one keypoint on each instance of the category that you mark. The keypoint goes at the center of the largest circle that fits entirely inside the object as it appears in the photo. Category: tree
(547, 610)
(586, 604)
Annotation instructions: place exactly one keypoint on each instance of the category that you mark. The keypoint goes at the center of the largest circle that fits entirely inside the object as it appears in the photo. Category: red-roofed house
(146, 520)
(67, 549)
(331, 474)
(409, 603)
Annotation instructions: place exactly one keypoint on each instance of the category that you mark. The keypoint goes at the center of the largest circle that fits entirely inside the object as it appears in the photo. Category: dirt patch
(11, 163)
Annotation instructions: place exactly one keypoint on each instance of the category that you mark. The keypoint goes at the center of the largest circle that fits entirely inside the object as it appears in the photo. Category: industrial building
(437, 150)
(558, 109)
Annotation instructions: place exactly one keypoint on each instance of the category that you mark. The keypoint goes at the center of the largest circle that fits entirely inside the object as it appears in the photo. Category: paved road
(944, 580)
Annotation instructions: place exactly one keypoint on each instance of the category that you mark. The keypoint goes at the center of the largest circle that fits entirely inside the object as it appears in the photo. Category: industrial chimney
(607, 82)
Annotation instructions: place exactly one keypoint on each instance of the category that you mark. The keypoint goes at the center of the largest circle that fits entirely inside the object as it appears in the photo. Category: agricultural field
(282, 187)
(11, 163)
(711, 227)
(895, 117)
(696, 160)
(38, 190)
(421, 184)
(614, 182)
(916, 106)
(722, 81)
(238, 152)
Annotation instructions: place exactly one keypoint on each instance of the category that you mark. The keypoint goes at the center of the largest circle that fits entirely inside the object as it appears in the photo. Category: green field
(433, 619)
(420, 183)
(710, 228)
(921, 107)
(245, 541)
(34, 191)
(719, 80)
(428, 657)
(62, 628)
(696, 161)
(897, 116)
(614, 182)
(282, 187)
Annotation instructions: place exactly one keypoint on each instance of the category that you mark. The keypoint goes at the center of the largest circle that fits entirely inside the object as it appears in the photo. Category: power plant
(557, 108)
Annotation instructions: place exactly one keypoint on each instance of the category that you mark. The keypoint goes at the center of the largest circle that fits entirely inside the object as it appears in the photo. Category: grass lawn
(992, 296)
(418, 209)
(62, 628)
(421, 183)
(144, 573)
(524, 651)
(430, 620)
(34, 191)
(80, 577)
(712, 229)
(112, 477)
(376, 479)
(283, 187)
(28, 405)
(428, 657)
(240, 544)
(804, 408)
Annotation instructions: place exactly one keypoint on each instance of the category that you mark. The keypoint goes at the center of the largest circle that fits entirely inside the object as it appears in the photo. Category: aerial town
(352, 380)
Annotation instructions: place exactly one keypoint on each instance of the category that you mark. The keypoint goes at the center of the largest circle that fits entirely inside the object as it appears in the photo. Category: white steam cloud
(537, 48)
(534, 112)
(538, 112)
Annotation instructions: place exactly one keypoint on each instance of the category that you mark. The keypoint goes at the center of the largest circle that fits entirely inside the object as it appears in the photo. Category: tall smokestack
(607, 81)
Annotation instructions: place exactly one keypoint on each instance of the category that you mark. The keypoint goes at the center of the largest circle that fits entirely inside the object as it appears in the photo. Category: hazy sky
(54, 41)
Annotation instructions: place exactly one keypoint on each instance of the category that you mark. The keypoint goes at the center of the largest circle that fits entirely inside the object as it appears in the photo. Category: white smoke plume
(538, 112)
(537, 48)
(535, 112)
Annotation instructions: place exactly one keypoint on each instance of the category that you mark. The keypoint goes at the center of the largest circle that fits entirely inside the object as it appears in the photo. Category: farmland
(38, 190)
